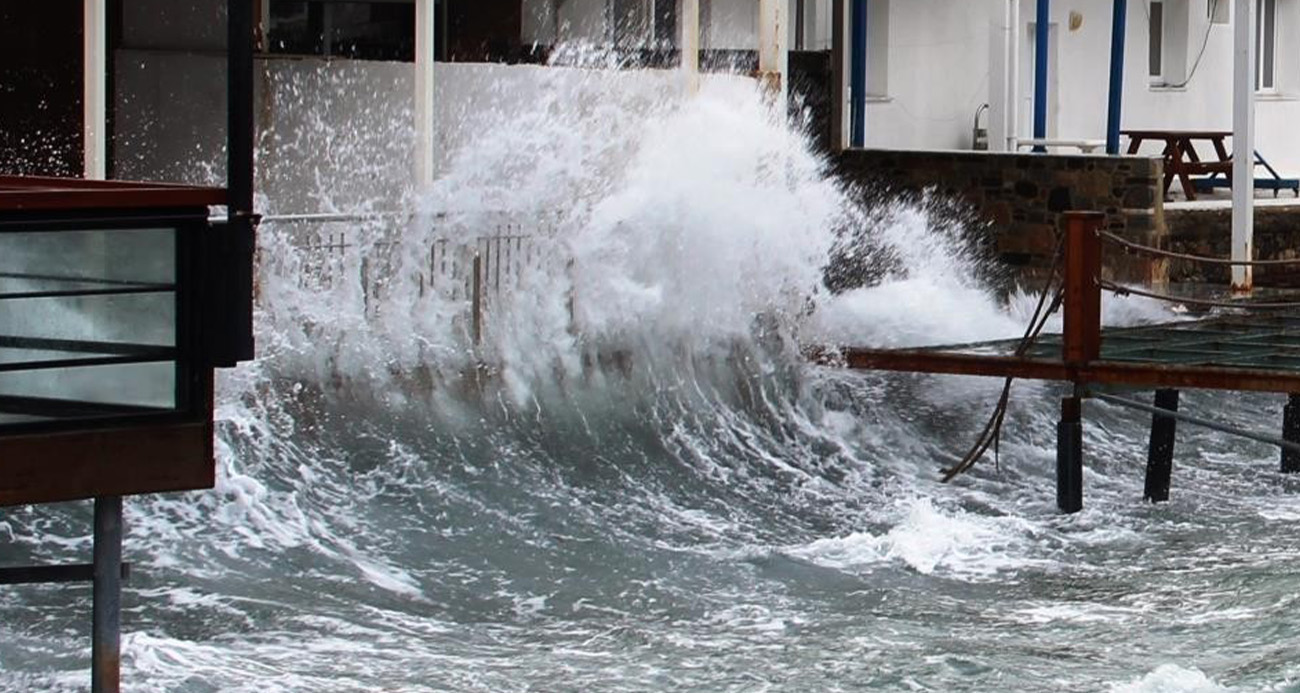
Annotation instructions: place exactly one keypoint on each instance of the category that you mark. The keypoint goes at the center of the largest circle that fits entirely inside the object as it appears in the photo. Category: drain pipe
(95, 90)
(772, 57)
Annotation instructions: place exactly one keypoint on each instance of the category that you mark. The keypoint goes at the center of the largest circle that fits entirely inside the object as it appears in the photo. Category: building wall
(1208, 233)
(1022, 197)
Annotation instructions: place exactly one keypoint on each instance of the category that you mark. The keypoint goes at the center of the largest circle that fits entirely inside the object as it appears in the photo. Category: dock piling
(1160, 453)
(1069, 455)
(106, 629)
(1291, 433)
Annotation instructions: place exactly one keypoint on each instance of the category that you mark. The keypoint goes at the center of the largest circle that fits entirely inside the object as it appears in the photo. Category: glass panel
(88, 323)
(1156, 50)
(1268, 19)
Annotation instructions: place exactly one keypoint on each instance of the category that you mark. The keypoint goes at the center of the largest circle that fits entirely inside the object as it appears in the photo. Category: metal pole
(425, 122)
(772, 56)
(1243, 144)
(800, 15)
(690, 45)
(1160, 450)
(1118, 27)
(1069, 455)
(1291, 433)
(839, 56)
(1013, 78)
(858, 73)
(95, 89)
(106, 630)
(1042, 20)
(1081, 338)
(236, 337)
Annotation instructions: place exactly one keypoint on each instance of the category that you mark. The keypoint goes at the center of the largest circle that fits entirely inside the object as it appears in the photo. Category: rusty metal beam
(1096, 373)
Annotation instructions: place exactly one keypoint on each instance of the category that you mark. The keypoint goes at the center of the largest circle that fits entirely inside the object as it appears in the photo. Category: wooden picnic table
(1181, 158)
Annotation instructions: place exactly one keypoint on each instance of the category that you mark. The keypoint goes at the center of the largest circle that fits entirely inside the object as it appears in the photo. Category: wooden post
(772, 56)
(1160, 453)
(1291, 432)
(425, 121)
(1082, 338)
(1243, 144)
(1069, 455)
(94, 100)
(690, 45)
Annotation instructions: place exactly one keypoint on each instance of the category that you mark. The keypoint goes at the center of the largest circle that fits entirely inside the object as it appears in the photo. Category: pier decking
(1255, 347)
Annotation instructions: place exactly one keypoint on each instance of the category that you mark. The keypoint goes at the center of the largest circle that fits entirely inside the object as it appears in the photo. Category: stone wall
(1208, 233)
(1022, 197)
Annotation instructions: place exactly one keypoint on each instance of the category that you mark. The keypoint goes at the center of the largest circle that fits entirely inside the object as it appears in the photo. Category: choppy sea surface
(635, 482)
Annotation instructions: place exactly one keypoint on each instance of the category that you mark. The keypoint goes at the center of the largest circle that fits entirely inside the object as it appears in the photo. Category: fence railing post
(1082, 334)
(476, 299)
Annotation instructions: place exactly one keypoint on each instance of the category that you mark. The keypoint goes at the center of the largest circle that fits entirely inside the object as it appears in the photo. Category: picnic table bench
(1181, 158)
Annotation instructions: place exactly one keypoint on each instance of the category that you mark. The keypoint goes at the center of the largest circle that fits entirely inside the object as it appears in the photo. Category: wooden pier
(1255, 347)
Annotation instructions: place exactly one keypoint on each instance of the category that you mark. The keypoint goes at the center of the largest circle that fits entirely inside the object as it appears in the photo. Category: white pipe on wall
(1013, 75)
(425, 137)
(95, 90)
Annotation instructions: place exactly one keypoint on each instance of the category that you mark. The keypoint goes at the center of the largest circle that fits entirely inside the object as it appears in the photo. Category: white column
(425, 135)
(95, 89)
(1014, 36)
(690, 45)
(772, 40)
(1243, 143)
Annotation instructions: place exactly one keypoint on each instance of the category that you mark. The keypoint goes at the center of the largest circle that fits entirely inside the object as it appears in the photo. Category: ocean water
(635, 482)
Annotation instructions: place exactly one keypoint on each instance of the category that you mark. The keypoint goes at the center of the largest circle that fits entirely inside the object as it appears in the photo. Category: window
(1167, 42)
(1156, 43)
(361, 30)
(1266, 45)
(1217, 11)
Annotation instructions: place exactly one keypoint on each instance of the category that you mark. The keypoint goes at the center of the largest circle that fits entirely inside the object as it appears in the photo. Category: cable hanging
(1109, 236)
(1127, 291)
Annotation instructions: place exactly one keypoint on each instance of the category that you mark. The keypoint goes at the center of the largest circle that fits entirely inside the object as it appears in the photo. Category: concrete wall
(1023, 196)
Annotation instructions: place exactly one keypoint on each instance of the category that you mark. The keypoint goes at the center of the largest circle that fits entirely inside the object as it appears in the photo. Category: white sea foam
(1170, 678)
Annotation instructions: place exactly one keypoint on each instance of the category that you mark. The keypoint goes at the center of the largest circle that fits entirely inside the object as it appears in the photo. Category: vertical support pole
(476, 301)
(1243, 143)
(106, 629)
(858, 73)
(1013, 77)
(1160, 452)
(1082, 336)
(425, 31)
(1291, 433)
(800, 16)
(95, 89)
(690, 45)
(839, 73)
(772, 56)
(240, 246)
(1069, 455)
(1118, 25)
(1042, 50)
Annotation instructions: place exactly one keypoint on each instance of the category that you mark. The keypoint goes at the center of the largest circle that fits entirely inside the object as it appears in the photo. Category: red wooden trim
(43, 193)
(46, 468)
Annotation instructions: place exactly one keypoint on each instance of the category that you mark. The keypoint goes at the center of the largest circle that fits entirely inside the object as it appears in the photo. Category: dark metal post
(1069, 455)
(1042, 20)
(1160, 453)
(858, 72)
(1291, 432)
(1082, 335)
(106, 630)
(799, 11)
(838, 77)
(1118, 25)
(237, 336)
